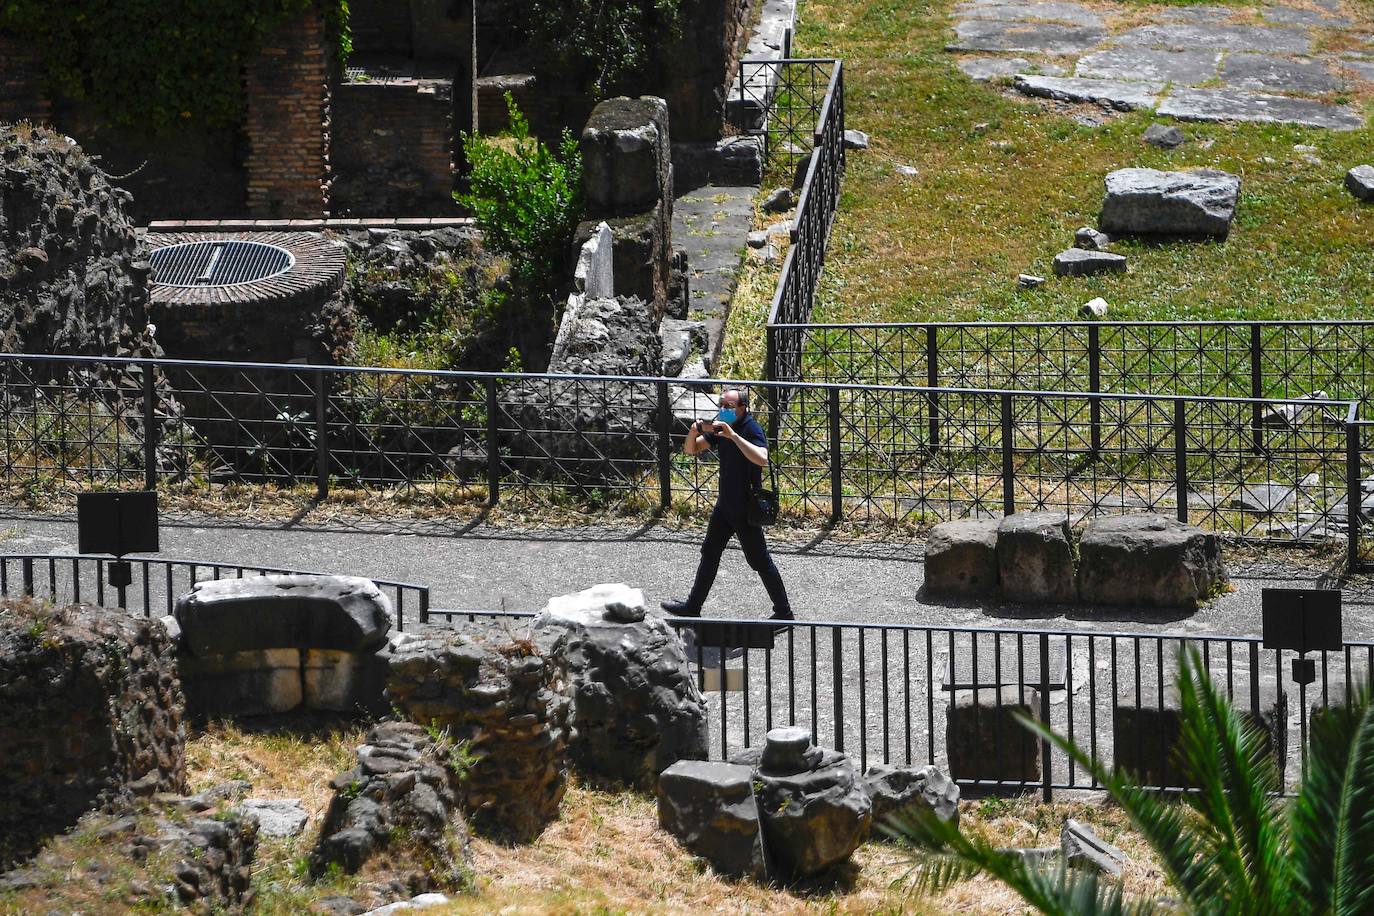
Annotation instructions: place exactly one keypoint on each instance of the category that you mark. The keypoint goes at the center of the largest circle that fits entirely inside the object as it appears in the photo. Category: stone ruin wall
(90, 713)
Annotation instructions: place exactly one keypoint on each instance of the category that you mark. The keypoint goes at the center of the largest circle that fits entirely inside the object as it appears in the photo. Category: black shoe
(680, 609)
(781, 616)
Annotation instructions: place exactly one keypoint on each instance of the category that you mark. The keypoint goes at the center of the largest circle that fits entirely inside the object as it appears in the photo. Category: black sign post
(1304, 620)
(117, 524)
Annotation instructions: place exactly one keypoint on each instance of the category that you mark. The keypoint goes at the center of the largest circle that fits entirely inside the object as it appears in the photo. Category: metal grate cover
(222, 263)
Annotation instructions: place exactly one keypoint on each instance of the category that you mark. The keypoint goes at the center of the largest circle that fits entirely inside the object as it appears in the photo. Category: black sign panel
(1302, 619)
(734, 635)
(117, 523)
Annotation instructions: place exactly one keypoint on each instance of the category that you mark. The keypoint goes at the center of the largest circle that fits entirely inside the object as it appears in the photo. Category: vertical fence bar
(1181, 459)
(149, 428)
(836, 479)
(665, 459)
(933, 382)
(1095, 386)
(837, 683)
(322, 454)
(1008, 460)
(493, 448)
(1257, 385)
(1354, 496)
(1046, 757)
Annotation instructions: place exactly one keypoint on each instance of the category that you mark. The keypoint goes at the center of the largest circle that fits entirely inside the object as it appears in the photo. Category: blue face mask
(727, 415)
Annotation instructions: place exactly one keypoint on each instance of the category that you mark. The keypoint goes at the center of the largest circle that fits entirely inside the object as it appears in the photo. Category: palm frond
(947, 856)
(1227, 759)
(1333, 835)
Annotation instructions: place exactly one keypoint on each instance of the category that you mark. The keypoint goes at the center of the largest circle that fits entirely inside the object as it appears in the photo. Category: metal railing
(944, 695)
(1253, 359)
(798, 107)
(158, 582)
(865, 453)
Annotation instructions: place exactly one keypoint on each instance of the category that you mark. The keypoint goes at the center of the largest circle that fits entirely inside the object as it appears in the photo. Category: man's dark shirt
(738, 475)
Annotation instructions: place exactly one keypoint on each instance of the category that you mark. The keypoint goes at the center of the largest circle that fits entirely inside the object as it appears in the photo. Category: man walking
(743, 450)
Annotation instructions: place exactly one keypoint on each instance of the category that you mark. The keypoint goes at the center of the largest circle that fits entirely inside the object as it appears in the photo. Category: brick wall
(393, 148)
(288, 121)
(21, 84)
(701, 63)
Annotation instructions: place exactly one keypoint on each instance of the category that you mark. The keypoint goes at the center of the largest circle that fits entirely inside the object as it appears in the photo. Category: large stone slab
(1289, 15)
(1036, 38)
(709, 807)
(1174, 204)
(626, 156)
(1119, 94)
(223, 616)
(1035, 558)
(1186, 36)
(961, 559)
(984, 740)
(1018, 11)
(1359, 181)
(1148, 560)
(1243, 105)
(1363, 69)
(1150, 65)
(984, 69)
(1302, 75)
(1079, 262)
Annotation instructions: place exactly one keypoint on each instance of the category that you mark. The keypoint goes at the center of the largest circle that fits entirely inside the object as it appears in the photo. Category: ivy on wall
(601, 45)
(156, 63)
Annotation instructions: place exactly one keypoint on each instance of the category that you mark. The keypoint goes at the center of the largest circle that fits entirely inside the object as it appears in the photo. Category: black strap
(772, 470)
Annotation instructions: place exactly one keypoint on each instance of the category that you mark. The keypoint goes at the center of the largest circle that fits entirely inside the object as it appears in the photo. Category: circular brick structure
(257, 296)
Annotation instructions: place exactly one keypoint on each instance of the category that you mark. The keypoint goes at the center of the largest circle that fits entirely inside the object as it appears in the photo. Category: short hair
(741, 393)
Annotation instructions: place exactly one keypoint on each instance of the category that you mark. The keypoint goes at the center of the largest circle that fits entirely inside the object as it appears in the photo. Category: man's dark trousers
(723, 524)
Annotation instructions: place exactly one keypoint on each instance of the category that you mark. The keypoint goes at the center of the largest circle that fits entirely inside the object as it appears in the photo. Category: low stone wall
(507, 706)
(90, 711)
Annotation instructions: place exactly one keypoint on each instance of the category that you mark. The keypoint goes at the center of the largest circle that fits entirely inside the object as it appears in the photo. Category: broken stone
(1090, 239)
(1029, 281)
(1075, 262)
(899, 792)
(1359, 181)
(908, 170)
(984, 69)
(856, 139)
(758, 238)
(277, 817)
(709, 807)
(1164, 136)
(1083, 848)
(1035, 559)
(1094, 309)
(779, 200)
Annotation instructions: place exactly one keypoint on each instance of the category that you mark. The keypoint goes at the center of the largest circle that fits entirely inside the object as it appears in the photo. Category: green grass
(1004, 182)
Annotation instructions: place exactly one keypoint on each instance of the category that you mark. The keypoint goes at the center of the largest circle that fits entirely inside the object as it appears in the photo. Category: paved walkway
(712, 224)
(516, 569)
(1265, 63)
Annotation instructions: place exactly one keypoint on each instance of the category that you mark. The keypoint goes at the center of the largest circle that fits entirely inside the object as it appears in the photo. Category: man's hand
(724, 430)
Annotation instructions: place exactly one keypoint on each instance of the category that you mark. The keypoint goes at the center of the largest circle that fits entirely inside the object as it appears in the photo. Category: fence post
(1181, 458)
(1046, 757)
(493, 448)
(1354, 496)
(1008, 462)
(322, 453)
(836, 490)
(837, 679)
(933, 382)
(150, 429)
(665, 461)
(1257, 386)
(424, 605)
(1095, 386)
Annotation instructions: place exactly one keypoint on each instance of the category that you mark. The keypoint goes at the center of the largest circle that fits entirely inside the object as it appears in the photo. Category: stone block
(1150, 202)
(254, 683)
(1359, 181)
(351, 682)
(983, 739)
(1148, 560)
(813, 819)
(961, 559)
(1081, 847)
(1145, 730)
(594, 276)
(626, 157)
(225, 616)
(1076, 262)
(709, 807)
(899, 792)
(1035, 558)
